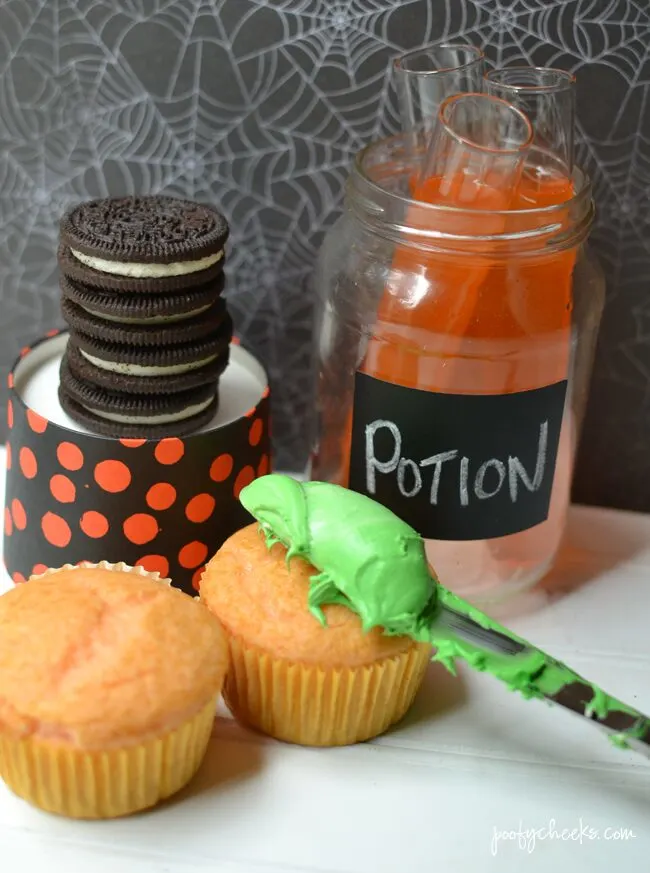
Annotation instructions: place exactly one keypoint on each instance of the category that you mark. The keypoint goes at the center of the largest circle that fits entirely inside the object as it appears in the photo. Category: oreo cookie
(115, 414)
(145, 237)
(141, 283)
(159, 361)
(126, 308)
(178, 332)
(82, 368)
(74, 269)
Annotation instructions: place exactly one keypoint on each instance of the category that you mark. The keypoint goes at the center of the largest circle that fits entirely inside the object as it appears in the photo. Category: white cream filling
(147, 271)
(154, 319)
(163, 418)
(128, 369)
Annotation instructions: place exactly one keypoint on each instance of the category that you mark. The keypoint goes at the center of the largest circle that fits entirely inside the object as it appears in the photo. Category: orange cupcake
(291, 677)
(108, 687)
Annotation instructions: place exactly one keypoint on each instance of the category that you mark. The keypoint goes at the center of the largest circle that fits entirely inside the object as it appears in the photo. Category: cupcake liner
(86, 784)
(318, 706)
(119, 567)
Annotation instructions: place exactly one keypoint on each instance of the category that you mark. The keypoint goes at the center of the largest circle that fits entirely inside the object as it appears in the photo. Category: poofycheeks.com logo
(526, 838)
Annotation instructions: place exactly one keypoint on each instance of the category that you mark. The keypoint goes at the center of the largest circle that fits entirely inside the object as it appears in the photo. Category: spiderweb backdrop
(259, 107)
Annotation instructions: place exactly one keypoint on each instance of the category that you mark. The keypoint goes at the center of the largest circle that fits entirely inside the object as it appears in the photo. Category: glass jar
(453, 357)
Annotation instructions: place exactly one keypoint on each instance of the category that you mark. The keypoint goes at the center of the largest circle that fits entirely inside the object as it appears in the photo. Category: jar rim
(579, 177)
(378, 195)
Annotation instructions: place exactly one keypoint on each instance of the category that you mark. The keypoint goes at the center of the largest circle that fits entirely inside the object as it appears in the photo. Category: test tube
(426, 76)
(547, 96)
(477, 152)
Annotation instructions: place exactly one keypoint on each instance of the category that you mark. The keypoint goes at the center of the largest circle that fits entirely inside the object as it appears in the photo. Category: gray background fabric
(259, 107)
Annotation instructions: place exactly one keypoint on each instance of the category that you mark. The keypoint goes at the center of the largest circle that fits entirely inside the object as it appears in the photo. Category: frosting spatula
(463, 631)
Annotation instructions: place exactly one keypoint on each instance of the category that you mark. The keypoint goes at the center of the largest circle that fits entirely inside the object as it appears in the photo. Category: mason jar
(453, 355)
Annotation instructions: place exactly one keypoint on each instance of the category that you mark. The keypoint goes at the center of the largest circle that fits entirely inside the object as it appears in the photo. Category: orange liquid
(472, 296)
(469, 323)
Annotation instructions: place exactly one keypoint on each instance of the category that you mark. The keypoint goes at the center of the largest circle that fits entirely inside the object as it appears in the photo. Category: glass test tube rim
(478, 147)
(565, 80)
(478, 57)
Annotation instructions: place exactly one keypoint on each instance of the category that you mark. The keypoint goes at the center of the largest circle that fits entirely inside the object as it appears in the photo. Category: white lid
(36, 381)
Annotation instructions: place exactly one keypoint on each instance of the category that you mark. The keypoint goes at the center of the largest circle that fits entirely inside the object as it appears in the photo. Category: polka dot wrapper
(163, 505)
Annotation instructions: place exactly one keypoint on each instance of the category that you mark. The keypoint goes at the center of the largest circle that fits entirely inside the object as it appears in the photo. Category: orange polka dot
(37, 569)
(70, 456)
(54, 332)
(94, 524)
(154, 564)
(9, 525)
(196, 578)
(161, 495)
(18, 578)
(37, 423)
(18, 514)
(56, 530)
(244, 478)
(192, 555)
(255, 433)
(251, 412)
(62, 489)
(10, 414)
(132, 443)
(10, 380)
(112, 476)
(221, 468)
(24, 351)
(8, 456)
(169, 451)
(266, 392)
(27, 461)
(235, 341)
(200, 508)
(263, 466)
(140, 528)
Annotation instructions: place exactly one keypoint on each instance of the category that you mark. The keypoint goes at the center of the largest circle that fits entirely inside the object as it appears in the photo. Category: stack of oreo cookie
(141, 280)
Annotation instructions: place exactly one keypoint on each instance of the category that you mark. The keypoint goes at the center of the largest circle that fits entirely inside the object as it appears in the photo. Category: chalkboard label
(457, 466)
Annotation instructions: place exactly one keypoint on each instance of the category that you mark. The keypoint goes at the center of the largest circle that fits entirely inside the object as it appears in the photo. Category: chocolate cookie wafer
(112, 413)
(148, 238)
(81, 366)
(160, 334)
(110, 282)
(154, 361)
(151, 309)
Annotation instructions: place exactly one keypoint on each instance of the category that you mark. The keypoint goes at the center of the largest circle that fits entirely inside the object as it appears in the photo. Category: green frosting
(375, 564)
(357, 544)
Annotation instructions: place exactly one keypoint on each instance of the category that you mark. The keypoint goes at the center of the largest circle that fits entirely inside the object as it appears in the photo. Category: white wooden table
(470, 762)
